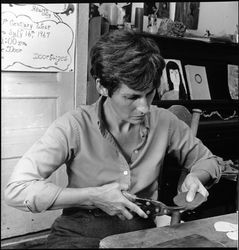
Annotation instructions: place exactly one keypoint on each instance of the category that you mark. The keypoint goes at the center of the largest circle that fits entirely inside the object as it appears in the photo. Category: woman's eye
(132, 98)
(135, 97)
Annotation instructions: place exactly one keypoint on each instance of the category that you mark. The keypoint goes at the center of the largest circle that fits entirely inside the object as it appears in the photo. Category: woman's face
(175, 78)
(131, 105)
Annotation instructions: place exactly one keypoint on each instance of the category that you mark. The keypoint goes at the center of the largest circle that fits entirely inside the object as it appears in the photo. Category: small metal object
(156, 207)
(153, 207)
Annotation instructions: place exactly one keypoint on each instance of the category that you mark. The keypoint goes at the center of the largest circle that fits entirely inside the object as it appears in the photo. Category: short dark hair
(172, 65)
(126, 57)
(182, 91)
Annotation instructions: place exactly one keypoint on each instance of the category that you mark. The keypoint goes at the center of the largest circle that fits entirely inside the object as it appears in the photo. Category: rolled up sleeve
(191, 153)
(210, 166)
(29, 187)
(31, 196)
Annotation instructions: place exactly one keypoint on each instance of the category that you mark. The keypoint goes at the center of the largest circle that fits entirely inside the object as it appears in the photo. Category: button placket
(125, 166)
(134, 155)
(125, 177)
(143, 134)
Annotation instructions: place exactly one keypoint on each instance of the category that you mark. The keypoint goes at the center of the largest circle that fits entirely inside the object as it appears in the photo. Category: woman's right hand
(111, 200)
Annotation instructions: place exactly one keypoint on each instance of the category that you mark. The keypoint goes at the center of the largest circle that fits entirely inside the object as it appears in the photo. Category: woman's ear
(101, 90)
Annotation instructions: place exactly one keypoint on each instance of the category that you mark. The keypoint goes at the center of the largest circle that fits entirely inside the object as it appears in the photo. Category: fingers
(130, 205)
(121, 216)
(114, 202)
(136, 209)
(129, 196)
(203, 191)
(193, 189)
(191, 192)
(126, 214)
(129, 199)
(192, 185)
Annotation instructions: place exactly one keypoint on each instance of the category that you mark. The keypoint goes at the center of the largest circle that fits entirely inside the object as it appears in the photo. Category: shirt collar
(99, 115)
(100, 122)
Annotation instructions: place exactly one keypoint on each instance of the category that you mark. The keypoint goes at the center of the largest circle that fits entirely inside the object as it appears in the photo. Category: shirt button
(125, 172)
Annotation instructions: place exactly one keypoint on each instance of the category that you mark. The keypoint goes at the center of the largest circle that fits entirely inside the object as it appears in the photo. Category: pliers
(153, 207)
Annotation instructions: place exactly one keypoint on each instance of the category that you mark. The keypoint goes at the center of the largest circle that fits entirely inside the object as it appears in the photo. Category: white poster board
(38, 37)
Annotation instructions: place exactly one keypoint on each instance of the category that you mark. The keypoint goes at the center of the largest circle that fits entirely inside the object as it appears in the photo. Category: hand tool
(153, 207)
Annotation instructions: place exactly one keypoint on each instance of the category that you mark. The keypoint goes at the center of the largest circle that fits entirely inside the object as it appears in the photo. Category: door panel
(30, 103)
(24, 120)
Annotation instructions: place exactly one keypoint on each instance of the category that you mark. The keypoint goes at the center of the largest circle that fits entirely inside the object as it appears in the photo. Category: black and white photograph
(188, 13)
(173, 85)
(160, 9)
(197, 82)
(233, 80)
(119, 125)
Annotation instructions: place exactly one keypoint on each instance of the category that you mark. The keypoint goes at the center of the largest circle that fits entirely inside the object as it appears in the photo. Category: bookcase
(220, 119)
(219, 122)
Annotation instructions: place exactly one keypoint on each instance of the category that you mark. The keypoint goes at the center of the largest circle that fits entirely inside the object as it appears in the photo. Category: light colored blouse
(80, 140)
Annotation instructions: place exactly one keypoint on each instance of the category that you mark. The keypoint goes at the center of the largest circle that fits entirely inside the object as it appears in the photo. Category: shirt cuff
(42, 196)
(211, 166)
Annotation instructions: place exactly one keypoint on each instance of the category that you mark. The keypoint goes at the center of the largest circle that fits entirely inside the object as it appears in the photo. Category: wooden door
(31, 101)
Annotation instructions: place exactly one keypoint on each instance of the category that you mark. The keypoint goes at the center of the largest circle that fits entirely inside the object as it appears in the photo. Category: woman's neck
(112, 119)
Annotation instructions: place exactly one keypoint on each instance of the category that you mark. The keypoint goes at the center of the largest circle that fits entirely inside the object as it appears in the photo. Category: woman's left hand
(192, 185)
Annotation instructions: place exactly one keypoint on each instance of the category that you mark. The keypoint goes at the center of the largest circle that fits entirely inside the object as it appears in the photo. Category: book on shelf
(233, 75)
(197, 82)
(173, 85)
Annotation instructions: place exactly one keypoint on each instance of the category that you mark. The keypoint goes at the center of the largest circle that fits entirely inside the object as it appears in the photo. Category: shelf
(193, 40)
(214, 56)
(201, 104)
(221, 110)
(181, 102)
(221, 123)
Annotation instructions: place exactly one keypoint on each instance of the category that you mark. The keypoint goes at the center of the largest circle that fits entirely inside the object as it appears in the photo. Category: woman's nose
(143, 106)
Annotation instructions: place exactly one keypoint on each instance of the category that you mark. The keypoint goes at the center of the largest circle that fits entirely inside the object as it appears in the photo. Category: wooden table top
(163, 236)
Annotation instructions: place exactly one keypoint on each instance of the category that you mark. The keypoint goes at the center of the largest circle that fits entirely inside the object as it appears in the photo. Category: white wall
(217, 17)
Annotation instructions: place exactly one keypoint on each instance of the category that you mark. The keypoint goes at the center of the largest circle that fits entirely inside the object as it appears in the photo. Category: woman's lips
(139, 117)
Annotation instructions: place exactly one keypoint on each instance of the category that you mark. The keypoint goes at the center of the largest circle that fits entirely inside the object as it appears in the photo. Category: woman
(115, 144)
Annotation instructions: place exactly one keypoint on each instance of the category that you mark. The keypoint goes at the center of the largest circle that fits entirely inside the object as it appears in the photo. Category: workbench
(197, 233)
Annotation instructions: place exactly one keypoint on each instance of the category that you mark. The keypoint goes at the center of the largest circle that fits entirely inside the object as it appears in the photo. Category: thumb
(191, 193)
(129, 196)
(124, 188)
